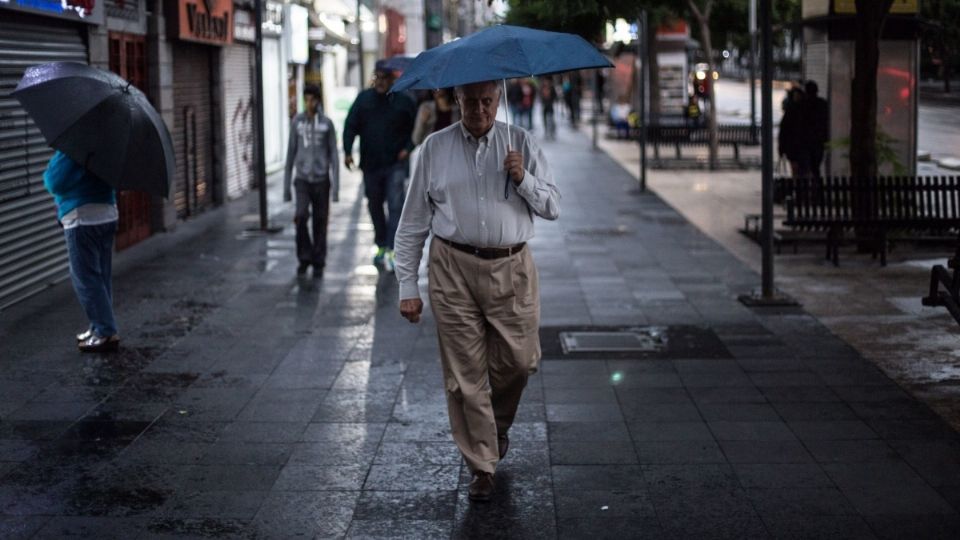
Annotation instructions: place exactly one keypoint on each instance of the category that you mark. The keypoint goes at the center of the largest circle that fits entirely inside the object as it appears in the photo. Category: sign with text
(85, 11)
(205, 21)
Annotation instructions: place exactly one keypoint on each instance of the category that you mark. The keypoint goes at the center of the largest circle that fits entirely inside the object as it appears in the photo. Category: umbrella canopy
(102, 122)
(499, 52)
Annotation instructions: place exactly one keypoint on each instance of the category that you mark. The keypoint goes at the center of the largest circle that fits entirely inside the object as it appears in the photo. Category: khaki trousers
(488, 321)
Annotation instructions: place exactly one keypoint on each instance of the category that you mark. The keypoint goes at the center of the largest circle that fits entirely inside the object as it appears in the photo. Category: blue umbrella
(499, 52)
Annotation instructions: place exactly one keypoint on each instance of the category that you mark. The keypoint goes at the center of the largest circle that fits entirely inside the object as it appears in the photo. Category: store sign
(205, 21)
(244, 27)
(86, 11)
(295, 33)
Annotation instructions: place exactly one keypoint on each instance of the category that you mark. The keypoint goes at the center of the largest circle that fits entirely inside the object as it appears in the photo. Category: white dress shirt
(460, 192)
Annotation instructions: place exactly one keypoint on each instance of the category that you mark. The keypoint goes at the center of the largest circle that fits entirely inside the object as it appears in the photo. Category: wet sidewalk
(249, 403)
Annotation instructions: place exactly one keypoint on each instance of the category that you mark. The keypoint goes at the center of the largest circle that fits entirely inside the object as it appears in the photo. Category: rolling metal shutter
(32, 250)
(192, 134)
(238, 118)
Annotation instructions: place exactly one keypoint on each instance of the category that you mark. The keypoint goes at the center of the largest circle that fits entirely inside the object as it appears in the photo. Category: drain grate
(630, 342)
(649, 339)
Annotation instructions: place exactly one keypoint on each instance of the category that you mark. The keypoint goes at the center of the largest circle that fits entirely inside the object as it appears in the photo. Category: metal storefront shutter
(192, 131)
(32, 250)
(238, 118)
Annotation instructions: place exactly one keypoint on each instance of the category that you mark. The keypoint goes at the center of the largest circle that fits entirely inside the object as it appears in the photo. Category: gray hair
(458, 90)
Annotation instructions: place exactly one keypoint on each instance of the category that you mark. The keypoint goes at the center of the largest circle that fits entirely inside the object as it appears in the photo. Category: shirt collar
(487, 137)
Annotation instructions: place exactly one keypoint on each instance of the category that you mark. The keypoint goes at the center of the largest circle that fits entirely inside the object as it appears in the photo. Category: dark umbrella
(102, 122)
(499, 52)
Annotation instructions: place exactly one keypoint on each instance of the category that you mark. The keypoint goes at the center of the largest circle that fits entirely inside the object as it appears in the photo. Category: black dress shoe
(481, 488)
(302, 268)
(503, 444)
(85, 335)
(96, 344)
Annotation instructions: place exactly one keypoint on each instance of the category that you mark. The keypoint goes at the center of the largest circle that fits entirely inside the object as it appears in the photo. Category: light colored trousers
(488, 321)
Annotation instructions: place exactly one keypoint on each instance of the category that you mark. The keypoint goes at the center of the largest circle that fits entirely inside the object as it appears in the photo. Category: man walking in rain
(384, 124)
(477, 187)
(312, 150)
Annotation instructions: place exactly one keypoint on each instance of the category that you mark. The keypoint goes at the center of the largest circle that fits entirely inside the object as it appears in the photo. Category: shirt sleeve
(414, 229)
(538, 187)
(350, 127)
(291, 154)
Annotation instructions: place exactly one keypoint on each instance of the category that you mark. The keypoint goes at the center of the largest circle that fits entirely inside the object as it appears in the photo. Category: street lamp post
(359, 50)
(753, 66)
(642, 53)
(768, 296)
(260, 158)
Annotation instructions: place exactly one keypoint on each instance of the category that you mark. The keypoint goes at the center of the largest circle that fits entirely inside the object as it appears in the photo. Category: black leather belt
(485, 252)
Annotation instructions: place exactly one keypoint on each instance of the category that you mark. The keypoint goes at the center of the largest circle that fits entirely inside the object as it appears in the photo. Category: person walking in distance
(477, 187)
(548, 96)
(384, 123)
(816, 116)
(312, 151)
(87, 211)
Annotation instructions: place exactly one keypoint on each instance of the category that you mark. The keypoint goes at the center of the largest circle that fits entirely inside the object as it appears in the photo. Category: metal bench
(871, 206)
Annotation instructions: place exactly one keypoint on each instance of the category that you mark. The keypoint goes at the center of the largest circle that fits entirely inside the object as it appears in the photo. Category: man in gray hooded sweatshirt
(312, 150)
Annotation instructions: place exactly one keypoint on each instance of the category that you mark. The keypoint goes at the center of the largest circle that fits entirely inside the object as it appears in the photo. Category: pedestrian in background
(87, 210)
(384, 123)
(312, 151)
(816, 118)
(477, 187)
(435, 114)
(527, 96)
(548, 96)
(791, 141)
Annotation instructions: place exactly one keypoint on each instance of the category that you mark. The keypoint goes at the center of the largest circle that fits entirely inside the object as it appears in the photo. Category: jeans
(90, 249)
(385, 186)
(313, 200)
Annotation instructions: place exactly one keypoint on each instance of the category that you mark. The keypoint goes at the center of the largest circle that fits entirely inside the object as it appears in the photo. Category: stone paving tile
(683, 451)
(404, 528)
(609, 527)
(670, 431)
(306, 513)
(252, 404)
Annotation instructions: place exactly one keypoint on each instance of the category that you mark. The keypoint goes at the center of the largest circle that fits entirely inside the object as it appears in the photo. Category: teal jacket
(72, 186)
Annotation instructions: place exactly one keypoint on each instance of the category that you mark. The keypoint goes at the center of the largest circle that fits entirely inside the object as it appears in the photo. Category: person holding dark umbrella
(107, 136)
(87, 210)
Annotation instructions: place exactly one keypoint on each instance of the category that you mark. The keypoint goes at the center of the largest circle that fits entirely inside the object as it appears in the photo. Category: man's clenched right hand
(411, 308)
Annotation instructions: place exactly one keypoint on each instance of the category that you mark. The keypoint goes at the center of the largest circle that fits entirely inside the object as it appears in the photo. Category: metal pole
(642, 53)
(766, 122)
(596, 102)
(753, 66)
(260, 158)
(362, 80)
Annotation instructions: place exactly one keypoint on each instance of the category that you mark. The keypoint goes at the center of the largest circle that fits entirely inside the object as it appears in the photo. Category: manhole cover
(651, 339)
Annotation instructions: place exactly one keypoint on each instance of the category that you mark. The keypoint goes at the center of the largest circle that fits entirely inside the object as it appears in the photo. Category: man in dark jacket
(384, 123)
(312, 150)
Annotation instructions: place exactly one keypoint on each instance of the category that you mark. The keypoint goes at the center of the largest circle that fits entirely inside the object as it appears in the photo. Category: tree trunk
(863, 107)
(703, 19)
(653, 73)
(863, 91)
